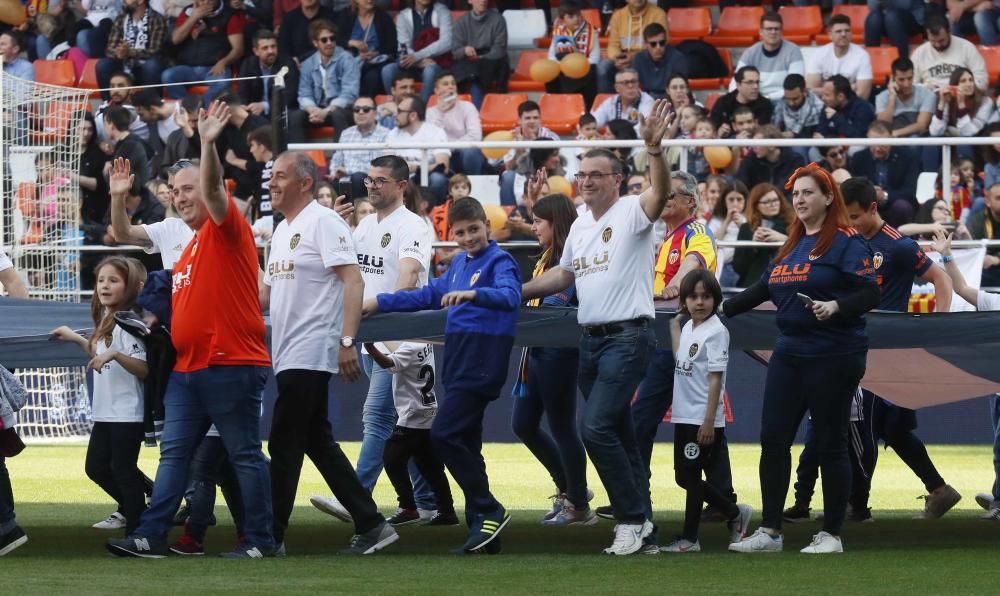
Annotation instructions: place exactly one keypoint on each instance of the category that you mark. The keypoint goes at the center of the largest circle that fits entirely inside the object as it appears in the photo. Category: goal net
(40, 230)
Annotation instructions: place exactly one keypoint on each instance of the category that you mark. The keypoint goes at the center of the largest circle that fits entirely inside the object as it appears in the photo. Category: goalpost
(40, 230)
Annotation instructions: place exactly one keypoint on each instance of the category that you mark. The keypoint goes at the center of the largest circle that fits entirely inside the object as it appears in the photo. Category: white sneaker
(824, 543)
(426, 515)
(682, 546)
(740, 525)
(331, 506)
(759, 542)
(558, 503)
(115, 521)
(985, 500)
(628, 538)
(992, 515)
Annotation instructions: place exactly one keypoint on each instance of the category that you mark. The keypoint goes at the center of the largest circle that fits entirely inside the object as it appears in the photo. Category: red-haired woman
(822, 282)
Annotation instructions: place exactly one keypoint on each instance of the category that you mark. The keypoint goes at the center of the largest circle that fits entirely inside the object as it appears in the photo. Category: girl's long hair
(559, 211)
(134, 274)
(737, 186)
(836, 213)
(972, 105)
(758, 192)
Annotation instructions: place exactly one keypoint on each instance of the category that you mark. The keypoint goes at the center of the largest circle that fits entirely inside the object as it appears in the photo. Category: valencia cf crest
(692, 451)
(606, 235)
(693, 350)
(877, 260)
(386, 239)
(475, 277)
(294, 241)
(673, 256)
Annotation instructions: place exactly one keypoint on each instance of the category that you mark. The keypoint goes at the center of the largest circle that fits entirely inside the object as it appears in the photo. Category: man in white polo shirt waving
(609, 254)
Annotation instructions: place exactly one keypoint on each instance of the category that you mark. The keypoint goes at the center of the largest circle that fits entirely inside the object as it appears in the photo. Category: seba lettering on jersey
(371, 264)
(284, 269)
(181, 279)
(582, 266)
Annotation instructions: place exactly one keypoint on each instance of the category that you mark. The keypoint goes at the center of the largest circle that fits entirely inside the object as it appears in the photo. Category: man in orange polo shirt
(222, 360)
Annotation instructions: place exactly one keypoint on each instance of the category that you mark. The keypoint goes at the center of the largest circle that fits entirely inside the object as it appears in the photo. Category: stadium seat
(55, 72)
(485, 189)
(599, 99)
(320, 133)
(524, 27)
(709, 84)
(55, 123)
(882, 62)
(711, 99)
(857, 13)
(592, 15)
(432, 100)
(319, 157)
(381, 99)
(561, 111)
(688, 23)
(499, 111)
(801, 23)
(926, 186)
(521, 79)
(738, 26)
(991, 55)
(88, 80)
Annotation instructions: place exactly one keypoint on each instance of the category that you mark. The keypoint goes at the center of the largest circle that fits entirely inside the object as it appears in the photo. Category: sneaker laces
(623, 536)
(816, 540)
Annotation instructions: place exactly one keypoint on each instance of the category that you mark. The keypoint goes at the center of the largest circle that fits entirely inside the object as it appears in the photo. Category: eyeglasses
(377, 183)
(771, 29)
(679, 193)
(363, 109)
(657, 44)
(628, 83)
(597, 176)
(327, 39)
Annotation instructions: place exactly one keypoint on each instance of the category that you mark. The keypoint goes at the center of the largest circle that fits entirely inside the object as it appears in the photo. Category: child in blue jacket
(482, 289)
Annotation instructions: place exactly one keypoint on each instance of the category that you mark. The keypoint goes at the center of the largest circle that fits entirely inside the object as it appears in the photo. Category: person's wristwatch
(347, 341)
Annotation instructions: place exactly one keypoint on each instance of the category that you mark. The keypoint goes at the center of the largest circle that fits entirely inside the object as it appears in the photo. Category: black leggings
(403, 444)
(823, 386)
(112, 463)
(690, 461)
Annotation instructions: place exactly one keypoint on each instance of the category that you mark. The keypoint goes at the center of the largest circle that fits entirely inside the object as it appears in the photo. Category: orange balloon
(12, 12)
(575, 65)
(718, 157)
(497, 217)
(544, 71)
(559, 184)
(499, 135)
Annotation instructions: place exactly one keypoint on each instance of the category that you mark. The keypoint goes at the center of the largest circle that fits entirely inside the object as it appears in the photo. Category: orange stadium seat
(320, 133)
(88, 80)
(521, 79)
(709, 84)
(801, 23)
(319, 157)
(55, 72)
(592, 15)
(499, 111)
(688, 23)
(55, 124)
(882, 63)
(991, 55)
(561, 111)
(857, 13)
(738, 26)
(711, 99)
(381, 99)
(599, 99)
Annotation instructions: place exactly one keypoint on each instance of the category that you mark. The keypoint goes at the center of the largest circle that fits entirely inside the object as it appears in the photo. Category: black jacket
(722, 111)
(385, 29)
(252, 90)
(293, 40)
(901, 177)
(753, 171)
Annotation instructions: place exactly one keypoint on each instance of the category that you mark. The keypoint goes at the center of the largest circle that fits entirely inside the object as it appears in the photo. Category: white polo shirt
(613, 261)
(169, 238)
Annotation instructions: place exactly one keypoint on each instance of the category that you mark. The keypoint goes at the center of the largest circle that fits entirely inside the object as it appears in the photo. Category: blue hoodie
(479, 334)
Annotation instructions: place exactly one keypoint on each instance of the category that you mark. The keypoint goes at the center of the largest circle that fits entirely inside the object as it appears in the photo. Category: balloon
(499, 135)
(12, 12)
(497, 217)
(558, 184)
(544, 71)
(718, 157)
(575, 66)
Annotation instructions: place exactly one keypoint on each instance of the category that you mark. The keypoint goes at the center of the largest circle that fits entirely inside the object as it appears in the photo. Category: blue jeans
(507, 196)
(7, 519)
(229, 397)
(610, 370)
(209, 468)
(379, 420)
(426, 76)
(987, 26)
(995, 417)
(176, 76)
(898, 25)
(468, 161)
(93, 41)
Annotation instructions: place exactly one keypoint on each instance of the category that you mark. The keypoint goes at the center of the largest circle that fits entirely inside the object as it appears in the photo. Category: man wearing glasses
(354, 163)
(627, 104)
(747, 93)
(329, 80)
(774, 57)
(609, 256)
(658, 62)
(411, 127)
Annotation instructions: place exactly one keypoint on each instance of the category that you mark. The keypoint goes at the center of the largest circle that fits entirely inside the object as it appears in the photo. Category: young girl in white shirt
(119, 361)
(701, 355)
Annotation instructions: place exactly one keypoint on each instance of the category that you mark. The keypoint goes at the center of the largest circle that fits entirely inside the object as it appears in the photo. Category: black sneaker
(404, 517)
(372, 541)
(245, 550)
(605, 512)
(11, 540)
(443, 519)
(796, 513)
(863, 516)
(487, 526)
(143, 547)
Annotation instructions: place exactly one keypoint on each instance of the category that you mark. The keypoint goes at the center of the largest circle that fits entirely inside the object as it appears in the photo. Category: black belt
(612, 328)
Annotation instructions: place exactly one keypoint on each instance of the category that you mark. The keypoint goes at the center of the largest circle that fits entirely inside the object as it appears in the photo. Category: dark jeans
(7, 518)
(823, 386)
(229, 397)
(898, 25)
(209, 468)
(611, 368)
(112, 463)
(406, 443)
(148, 72)
(690, 460)
(895, 426)
(457, 436)
(300, 427)
(560, 450)
(468, 161)
(652, 400)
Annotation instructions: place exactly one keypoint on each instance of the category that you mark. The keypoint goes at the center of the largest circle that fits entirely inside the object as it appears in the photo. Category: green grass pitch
(56, 504)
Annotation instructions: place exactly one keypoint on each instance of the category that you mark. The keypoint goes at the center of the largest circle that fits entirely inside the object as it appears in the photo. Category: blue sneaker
(486, 527)
(143, 547)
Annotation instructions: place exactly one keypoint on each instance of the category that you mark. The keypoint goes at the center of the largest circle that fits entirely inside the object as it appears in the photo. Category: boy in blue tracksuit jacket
(482, 289)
